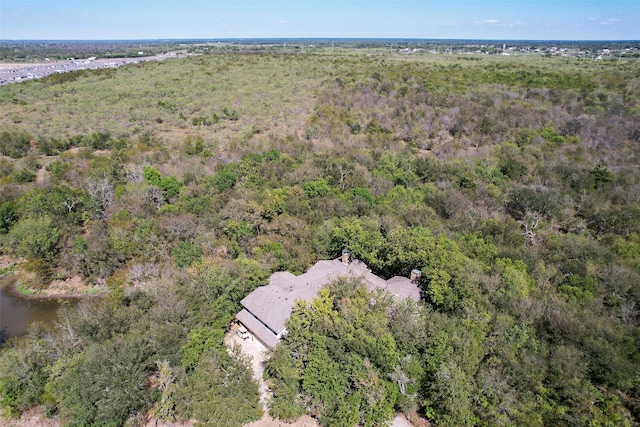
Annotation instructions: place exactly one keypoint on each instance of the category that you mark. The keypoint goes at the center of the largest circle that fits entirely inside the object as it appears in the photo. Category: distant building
(267, 309)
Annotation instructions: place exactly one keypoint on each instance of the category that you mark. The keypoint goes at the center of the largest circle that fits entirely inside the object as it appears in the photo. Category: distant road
(14, 73)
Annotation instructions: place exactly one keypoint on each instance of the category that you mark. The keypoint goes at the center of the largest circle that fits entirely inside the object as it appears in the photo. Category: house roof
(272, 304)
(403, 288)
(261, 332)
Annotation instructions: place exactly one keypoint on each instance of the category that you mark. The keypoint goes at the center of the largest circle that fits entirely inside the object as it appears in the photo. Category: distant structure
(266, 310)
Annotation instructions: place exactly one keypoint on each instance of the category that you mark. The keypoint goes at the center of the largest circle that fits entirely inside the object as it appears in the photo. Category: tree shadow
(4, 335)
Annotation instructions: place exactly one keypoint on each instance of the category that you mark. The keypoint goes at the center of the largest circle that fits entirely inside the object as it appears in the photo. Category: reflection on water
(16, 314)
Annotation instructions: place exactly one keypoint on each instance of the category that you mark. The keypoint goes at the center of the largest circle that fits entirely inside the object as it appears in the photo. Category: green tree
(106, 384)
(8, 216)
(449, 401)
(23, 374)
(221, 391)
(186, 254)
(165, 408)
(316, 188)
(193, 145)
(151, 175)
(361, 236)
(23, 176)
(15, 144)
(284, 375)
(34, 238)
(199, 341)
(336, 357)
(169, 185)
(225, 179)
(322, 379)
(600, 175)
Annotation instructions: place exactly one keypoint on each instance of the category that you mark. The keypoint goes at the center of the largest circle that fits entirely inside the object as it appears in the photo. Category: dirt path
(40, 175)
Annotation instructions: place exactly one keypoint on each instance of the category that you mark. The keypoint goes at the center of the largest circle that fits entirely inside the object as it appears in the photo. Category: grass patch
(7, 269)
(23, 289)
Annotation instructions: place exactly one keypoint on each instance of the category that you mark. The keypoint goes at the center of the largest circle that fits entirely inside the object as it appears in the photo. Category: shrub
(34, 238)
(23, 176)
(15, 144)
(186, 254)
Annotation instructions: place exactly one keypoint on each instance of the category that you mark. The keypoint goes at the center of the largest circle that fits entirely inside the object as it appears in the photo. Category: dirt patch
(41, 175)
(5, 261)
(401, 421)
(267, 421)
(74, 286)
(68, 288)
(35, 418)
(154, 422)
(102, 152)
(31, 418)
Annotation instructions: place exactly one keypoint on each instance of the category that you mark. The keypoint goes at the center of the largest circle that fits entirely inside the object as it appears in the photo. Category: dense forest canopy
(176, 188)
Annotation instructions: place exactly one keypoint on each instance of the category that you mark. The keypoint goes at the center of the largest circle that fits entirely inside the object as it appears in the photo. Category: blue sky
(168, 19)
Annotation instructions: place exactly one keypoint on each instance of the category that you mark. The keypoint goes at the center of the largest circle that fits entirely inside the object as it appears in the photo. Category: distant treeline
(32, 50)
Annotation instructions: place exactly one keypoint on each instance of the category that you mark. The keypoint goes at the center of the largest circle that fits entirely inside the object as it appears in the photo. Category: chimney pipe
(415, 276)
(346, 255)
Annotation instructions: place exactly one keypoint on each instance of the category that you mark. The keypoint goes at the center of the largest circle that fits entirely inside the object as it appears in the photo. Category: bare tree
(142, 272)
(400, 376)
(530, 223)
(180, 227)
(629, 313)
(134, 174)
(102, 191)
(70, 204)
(155, 196)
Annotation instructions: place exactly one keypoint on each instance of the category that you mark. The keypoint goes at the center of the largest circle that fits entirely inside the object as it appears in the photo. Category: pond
(17, 314)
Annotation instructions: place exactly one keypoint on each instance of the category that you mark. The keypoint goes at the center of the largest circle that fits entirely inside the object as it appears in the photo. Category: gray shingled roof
(403, 288)
(271, 305)
(260, 331)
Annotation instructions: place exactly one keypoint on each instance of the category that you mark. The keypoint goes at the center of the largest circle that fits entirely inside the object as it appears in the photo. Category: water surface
(16, 314)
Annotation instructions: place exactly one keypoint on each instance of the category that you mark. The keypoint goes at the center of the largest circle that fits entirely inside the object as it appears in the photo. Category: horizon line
(183, 39)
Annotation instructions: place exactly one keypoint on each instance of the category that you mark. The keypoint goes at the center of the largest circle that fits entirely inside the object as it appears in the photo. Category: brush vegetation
(178, 187)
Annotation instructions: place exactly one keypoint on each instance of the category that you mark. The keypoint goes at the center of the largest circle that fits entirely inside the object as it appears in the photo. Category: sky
(219, 19)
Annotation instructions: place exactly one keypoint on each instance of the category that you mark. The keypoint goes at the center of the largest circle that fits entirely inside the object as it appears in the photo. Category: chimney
(346, 255)
(415, 276)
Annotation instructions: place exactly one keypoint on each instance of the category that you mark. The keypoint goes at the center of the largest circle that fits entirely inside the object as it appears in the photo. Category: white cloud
(496, 23)
(610, 21)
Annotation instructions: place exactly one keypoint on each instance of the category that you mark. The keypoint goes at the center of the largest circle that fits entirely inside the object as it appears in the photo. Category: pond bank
(56, 290)
(18, 311)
